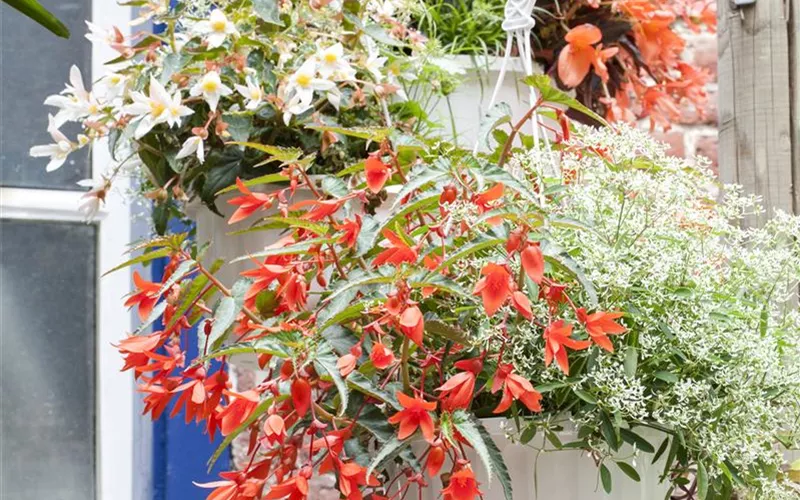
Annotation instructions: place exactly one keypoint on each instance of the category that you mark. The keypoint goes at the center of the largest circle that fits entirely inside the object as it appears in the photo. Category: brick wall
(693, 134)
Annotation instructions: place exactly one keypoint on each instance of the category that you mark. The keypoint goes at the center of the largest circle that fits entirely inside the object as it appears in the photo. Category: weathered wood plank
(755, 101)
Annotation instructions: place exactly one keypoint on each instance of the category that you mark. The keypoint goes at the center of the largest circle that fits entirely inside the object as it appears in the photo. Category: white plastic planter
(470, 100)
(561, 475)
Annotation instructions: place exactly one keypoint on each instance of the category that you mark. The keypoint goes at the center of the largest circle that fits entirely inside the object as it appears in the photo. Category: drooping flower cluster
(175, 106)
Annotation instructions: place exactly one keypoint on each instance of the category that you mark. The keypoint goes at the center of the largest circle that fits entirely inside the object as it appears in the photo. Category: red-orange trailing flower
(351, 477)
(556, 341)
(600, 325)
(145, 296)
(238, 410)
(414, 415)
(435, 460)
(533, 263)
(458, 390)
(275, 429)
(301, 396)
(248, 203)
(377, 173)
(577, 57)
(294, 488)
(412, 324)
(381, 356)
(397, 252)
(514, 387)
(462, 485)
(494, 287)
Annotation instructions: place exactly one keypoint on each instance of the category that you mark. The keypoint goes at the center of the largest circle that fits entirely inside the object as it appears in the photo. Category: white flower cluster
(712, 305)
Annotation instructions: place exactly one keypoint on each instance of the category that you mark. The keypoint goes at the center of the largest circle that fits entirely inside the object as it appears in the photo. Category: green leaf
(478, 244)
(145, 257)
(283, 223)
(268, 11)
(362, 384)
(661, 449)
(448, 332)
(188, 298)
(277, 153)
(666, 376)
(158, 310)
(634, 439)
(385, 452)
(377, 33)
(497, 174)
(326, 360)
(264, 179)
(702, 481)
(609, 431)
(259, 410)
(560, 259)
(334, 186)
(226, 312)
(631, 361)
(550, 94)
(479, 438)
(418, 177)
(240, 124)
(301, 247)
(629, 471)
(184, 268)
(605, 477)
(588, 397)
(359, 279)
(366, 133)
(274, 345)
(499, 114)
(35, 11)
(367, 236)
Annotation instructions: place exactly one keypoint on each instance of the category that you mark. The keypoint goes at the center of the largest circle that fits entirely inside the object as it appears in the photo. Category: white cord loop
(517, 23)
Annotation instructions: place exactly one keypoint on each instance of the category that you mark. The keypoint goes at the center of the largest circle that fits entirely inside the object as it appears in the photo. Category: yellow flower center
(219, 26)
(330, 58)
(115, 79)
(210, 86)
(303, 79)
(255, 94)
(156, 108)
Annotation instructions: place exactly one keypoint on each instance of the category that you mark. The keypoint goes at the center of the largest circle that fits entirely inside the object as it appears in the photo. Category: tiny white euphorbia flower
(252, 93)
(91, 201)
(332, 63)
(193, 145)
(155, 108)
(211, 88)
(304, 82)
(217, 28)
(58, 150)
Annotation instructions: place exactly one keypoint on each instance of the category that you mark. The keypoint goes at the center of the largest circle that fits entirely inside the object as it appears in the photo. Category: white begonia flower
(114, 85)
(285, 51)
(158, 107)
(216, 28)
(193, 146)
(252, 94)
(374, 64)
(91, 201)
(332, 63)
(58, 150)
(74, 102)
(304, 82)
(211, 88)
(98, 34)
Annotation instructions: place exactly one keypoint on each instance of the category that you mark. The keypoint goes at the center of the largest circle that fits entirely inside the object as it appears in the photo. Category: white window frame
(114, 390)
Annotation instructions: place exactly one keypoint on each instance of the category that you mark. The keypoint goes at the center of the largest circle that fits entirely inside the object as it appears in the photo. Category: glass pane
(36, 64)
(47, 360)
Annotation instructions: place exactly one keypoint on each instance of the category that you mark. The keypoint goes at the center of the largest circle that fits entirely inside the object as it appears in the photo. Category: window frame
(114, 390)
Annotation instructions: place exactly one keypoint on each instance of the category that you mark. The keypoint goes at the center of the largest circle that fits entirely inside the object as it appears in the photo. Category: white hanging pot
(559, 475)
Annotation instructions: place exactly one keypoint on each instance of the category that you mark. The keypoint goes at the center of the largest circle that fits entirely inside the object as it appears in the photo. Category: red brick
(706, 145)
(691, 116)
(701, 50)
(673, 139)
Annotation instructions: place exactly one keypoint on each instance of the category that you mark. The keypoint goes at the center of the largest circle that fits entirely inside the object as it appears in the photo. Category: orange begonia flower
(412, 324)
(397, 252)
(462, 486)
(248, 203)
(533, 263)
(514, 387)
(556, 340)
(377, 173)
(381, 356)
(413, 416)
(494, 287)
(580, 54)
(145, 296)
(600, 325)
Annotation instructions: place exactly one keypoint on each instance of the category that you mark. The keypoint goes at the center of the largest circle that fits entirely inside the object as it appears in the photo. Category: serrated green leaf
(277, 153)
(367, 236)
(184, 268)
(499, 114)
(379, 34)
(551, 94)
(362, 384)
(418, 177)
(226, 312)
(479, 438)
(268, 11)
(326, 360)
(385, 452)
(145, 257)
(295, 248)
(283, 223)
(370, 134)
(449, 332)
(264, 179)
(480, 243)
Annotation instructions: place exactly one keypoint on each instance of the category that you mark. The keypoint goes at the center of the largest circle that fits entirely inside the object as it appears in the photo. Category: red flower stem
(404, 365)
(515, 130)
(224, 290)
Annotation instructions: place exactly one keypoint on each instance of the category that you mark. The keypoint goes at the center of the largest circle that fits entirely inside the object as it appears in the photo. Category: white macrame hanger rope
(518, 23)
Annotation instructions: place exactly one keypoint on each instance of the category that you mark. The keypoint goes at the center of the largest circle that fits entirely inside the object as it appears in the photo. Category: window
(66, 425)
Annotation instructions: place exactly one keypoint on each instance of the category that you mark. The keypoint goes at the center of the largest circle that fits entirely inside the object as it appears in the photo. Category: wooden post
(758, 101)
